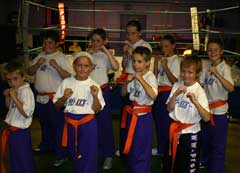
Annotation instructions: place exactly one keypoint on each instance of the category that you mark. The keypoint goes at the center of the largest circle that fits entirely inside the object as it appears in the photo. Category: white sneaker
(59, 162)
(107, 163)
(155, 152)
(117, 153)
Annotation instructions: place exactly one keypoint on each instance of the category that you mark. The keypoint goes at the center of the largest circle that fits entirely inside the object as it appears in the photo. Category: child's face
(139, 63)
(188, 75)
(214, 52)
(83, 67)
(96, 42)
(15, 80)
(167, 47)
(50, 46)
(132, 34)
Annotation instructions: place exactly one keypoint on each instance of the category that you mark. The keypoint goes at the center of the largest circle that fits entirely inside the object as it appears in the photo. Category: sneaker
(107, 163)
(37, 149)
(155, 152)
(117, 153)
(59, 162)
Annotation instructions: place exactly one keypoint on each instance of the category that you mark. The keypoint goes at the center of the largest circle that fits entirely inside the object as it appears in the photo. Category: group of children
(75, 114)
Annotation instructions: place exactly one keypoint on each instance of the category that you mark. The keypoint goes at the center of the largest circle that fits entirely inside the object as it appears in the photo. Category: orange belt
(164, 88)
(215, 105)
(103, 86)
(4, 139)
(134, 112)
(50, 95)
(175, 128)
(75, 124)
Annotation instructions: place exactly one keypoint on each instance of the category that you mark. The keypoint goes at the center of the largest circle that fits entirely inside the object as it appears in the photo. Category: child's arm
(127, 50)
(149, 90)
(155, 67)
(172, 101)
(6, 93)
(33, 69)
(124, 86)
(169, 74)
(226, 84)
(96, 106)
(205, 115)
(111, 58)
(14, 95)
(61, 101)
(63, 73)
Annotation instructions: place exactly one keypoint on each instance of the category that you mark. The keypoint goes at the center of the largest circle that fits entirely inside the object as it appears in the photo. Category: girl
(82, 98)
(187, 105)
(137, 118)
(133, 40)
(19, 99)
(103, 61)
(167, 71)
(217, 82)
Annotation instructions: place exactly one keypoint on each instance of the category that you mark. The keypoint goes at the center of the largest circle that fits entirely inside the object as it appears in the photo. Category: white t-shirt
(213, 87)
(81, 100)
(101, 67)
(173, 65)
(14, 117)
(184, 110)
(47, 78)
(137, 92)
(141, 42)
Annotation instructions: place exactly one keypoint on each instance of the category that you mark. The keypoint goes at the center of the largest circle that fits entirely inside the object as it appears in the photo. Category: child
(133, 36)
(187, 105)
(82, 98)
(217, 82)
(19, 99)
(50, 68)
(103, 61)
(167, 70)
(137, 118)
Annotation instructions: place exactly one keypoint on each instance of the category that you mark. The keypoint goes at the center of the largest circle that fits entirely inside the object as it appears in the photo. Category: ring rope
(132, 12)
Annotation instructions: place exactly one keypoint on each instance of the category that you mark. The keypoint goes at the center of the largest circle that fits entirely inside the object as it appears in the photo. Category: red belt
(103, 86)
(75, 124)
(4, 139)
(215, 105)
(164, 88)
(50, 95)
(134, 112)
(175, 128)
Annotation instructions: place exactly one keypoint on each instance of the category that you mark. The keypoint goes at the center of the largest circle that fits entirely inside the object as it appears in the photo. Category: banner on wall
(62, 22)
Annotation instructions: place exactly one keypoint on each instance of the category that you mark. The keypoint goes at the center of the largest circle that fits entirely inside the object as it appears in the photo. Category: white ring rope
(132, 12)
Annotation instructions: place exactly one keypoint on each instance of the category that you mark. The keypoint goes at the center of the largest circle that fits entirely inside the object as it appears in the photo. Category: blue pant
(20, 152)
(87, 145)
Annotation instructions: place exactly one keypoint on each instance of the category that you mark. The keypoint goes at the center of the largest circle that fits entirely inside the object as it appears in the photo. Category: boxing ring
(197, 34)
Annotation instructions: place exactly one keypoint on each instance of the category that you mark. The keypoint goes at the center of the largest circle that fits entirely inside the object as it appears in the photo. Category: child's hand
(103, 48)
(94, 90)
(53, 63)
(212, 70)
(138, 75)
(130, 77)
(41, 61)
(157, 58)
(6, 92)
(192, 97)
(13, 93)
(68, 92)
(180, 90)
(125, 47)
(164, 62)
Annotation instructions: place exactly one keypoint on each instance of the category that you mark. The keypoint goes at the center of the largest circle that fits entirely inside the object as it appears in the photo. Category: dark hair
(192, 60)
(50, 34)
(136, 24)
(217, 40)
(170, 38)
(99, 31)
(143, 51)
(14, 67)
